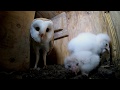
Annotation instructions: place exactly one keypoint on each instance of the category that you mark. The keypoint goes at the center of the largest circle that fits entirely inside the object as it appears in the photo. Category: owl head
(41, 29)
(71, 64)
(103, 41)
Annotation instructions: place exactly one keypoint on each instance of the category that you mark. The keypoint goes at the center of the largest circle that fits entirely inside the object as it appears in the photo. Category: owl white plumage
(42, 34)
(84, 61)
(88, 41)
(84, 51)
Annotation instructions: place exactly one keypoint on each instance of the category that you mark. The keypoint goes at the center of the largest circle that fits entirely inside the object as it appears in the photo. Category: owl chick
(83, 61)
(103, 41)
(89, 41)
(42, 35)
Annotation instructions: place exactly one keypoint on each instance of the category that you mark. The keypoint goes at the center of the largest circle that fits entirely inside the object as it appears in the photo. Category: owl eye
(69, 66)
(106, 44)
(47, 30)
(76, 64)
(37, 28)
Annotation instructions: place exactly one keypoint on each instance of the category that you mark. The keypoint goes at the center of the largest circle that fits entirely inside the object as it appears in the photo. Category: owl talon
(35, 68)
(45, 67)
(85, 74)
(38, 68)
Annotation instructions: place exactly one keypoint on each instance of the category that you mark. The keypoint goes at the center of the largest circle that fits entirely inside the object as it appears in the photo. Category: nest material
(103, 71)
(59, 72)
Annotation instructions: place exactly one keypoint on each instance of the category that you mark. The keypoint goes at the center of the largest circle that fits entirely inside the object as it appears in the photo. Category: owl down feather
(97, 44)
(84, 52)
(84, 61)
(42, 34)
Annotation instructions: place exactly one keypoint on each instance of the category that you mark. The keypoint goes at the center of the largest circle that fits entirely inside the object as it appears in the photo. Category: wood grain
(47, 14)
(14, 39)
(60, 37)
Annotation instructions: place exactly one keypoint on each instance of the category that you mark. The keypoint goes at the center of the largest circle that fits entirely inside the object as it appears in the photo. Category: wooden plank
(59, 20)
(84, 21)
(114, 24)
(60, 34)
(47, 14)
(60, 26)
(14, 39)
(115, 16)
(57, 30)
(60, 44)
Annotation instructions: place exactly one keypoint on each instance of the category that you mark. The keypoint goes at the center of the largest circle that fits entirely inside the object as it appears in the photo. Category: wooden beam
(60, 34)
(15, 40)
(57, 30)
(60, 26)
(47, 14)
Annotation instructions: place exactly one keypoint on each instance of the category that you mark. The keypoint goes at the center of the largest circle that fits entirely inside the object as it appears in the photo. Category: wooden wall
(14, 39)
(115, 16)
(47, 14)
(83, 21)
(77, 22)
(14, 33)
(115, 30)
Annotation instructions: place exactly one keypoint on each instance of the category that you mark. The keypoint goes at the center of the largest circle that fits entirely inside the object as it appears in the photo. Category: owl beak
(107, 48)
(41, 35)
(75, 70)
(76, 73)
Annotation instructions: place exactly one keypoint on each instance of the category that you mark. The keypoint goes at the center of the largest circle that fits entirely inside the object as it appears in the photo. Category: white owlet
(84, 61)
(88, 41)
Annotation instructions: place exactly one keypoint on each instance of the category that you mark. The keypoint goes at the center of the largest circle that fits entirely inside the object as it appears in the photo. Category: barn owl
(42, 34)
(87, 41)
(83, 61)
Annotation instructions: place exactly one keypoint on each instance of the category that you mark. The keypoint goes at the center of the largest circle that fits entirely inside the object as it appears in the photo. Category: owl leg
(85, 74)
(44, 59)
(37, 58)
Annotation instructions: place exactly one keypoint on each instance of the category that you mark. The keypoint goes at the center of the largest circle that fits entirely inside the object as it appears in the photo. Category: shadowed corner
(52, 57)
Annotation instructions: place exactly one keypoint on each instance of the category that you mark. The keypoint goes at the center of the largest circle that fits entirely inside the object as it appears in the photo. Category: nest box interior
(15, 35)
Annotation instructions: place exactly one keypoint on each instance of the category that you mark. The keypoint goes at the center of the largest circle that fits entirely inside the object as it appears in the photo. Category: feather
(85, 50)
(90, 42)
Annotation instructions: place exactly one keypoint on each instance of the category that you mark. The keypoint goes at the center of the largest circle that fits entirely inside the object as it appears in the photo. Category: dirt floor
(55, 71)
(104, 71)
(59, 72)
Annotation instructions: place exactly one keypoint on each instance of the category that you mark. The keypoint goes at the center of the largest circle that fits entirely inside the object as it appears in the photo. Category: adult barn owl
(42, 34)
